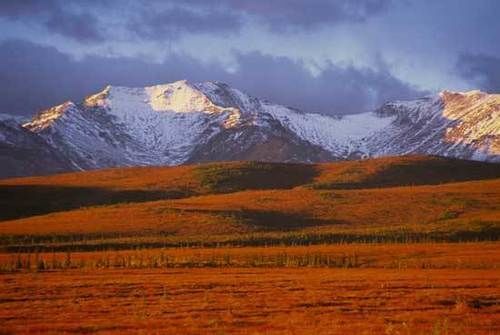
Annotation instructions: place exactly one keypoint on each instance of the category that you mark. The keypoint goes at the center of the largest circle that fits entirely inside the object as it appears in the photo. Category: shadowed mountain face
(23, 153)
(181, 123)
(274, 144)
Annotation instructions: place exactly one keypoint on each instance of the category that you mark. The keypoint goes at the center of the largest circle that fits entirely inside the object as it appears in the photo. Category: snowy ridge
(46, 118)
(157, 125)
(478, 113)
(463, 125)
(341, 136)
(181, 122)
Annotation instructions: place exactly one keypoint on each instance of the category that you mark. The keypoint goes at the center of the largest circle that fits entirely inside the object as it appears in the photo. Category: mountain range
(183, 123)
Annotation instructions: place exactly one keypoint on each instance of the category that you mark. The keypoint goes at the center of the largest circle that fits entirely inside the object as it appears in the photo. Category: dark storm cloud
(337, 90)
(156, 19)
(483, 70)
(168, 18)
(33, 77)
(80, 25)
(173, 22)
(22, 8)
(171, 19)
(281, 14)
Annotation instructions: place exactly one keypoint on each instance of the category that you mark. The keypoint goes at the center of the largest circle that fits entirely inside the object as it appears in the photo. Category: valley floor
(338, 289)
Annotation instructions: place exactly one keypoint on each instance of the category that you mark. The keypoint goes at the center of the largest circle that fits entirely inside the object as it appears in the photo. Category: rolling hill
(390, 198)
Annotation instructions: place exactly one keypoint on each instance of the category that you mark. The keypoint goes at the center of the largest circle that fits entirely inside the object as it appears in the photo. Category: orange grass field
(405, 245)
(391, 289)
(252, 301)
(439, 288)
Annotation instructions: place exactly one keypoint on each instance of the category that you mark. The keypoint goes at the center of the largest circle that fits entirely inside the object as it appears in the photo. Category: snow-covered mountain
(182, 122)
(24, 153)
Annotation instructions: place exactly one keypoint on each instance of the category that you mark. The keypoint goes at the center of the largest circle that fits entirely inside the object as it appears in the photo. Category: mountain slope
(462, 125)
(168, 125)
(181, 122)
(24, 153)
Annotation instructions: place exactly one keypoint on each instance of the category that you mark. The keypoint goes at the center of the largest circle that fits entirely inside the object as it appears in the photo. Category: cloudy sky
(329, 56)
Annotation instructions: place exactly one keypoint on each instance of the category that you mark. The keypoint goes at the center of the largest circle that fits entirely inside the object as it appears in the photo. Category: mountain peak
(470, 93)
(45, 118)
(461, 103)
(179, 96)
(179, 122)
(97, 99)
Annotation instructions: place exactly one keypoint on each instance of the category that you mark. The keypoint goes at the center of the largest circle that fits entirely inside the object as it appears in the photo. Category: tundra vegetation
(404, 245)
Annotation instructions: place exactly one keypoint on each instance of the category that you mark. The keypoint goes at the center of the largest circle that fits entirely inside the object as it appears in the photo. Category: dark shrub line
(490, 234)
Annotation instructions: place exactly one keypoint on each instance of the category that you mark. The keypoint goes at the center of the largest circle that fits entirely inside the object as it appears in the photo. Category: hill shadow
(233, 177)
(20, 201)
(267, 220)
(413, 171)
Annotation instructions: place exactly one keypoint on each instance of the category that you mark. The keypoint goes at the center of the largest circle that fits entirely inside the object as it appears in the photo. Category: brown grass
(252, 301)
(483, 255)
